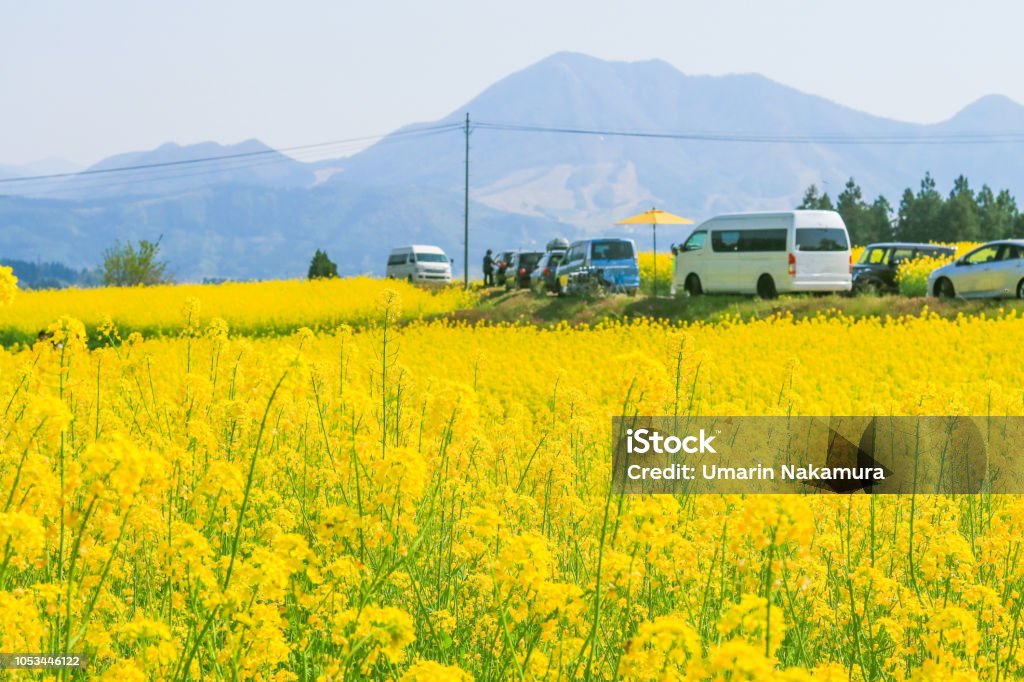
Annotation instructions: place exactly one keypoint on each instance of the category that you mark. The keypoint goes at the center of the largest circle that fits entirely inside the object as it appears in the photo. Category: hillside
(261, 213)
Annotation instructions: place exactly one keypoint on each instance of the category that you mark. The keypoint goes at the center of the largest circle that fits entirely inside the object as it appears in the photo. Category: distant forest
(962, 216)
(51, 275)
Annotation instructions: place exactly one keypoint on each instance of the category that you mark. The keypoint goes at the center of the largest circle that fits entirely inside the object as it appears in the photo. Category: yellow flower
(21, 628)
(22, 538)
(430, 671)
(8, 285)
(662, 649)
(374, 632)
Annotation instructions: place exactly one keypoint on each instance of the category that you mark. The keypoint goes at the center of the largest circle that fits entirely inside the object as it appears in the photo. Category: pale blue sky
(83, 80)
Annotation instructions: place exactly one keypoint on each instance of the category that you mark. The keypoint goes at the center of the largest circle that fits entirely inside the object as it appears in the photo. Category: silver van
(765, 254)
(420, 264)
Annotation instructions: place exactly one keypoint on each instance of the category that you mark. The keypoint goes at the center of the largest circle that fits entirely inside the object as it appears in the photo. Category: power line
(832, 138)
(223, 157)
(159, 173)
(152, 172)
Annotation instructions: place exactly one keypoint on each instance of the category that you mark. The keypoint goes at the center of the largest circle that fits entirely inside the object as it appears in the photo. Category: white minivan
(420, 264)
(765, 254)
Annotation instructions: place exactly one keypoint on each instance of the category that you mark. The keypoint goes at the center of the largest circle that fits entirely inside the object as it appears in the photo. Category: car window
(611, 250)
(763, 240)
(874, 256)
(529, 260)
(396, 259)
(757, 241)
(983, 255)
(821, 239)
(901, 254)
(1011, 252)
(725, 240)
(696, 241)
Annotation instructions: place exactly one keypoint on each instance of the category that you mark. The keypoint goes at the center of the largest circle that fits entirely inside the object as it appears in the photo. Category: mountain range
(261, 213)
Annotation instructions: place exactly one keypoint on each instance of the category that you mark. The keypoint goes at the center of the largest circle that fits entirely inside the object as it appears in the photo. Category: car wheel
(870, 288)
(409, 279)
(1020, 289)
(766, 287)
(944, 288)
(692, 286)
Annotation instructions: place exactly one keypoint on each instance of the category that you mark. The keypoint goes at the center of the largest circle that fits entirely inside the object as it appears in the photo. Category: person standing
(488, 269)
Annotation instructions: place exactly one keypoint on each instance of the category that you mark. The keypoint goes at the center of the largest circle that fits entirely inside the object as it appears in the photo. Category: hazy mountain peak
(995, 112)
(567, 58)
(170, 152)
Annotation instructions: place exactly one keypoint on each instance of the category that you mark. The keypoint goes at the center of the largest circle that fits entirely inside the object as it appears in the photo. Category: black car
(501, 262)
(517, 276)
(875, 272)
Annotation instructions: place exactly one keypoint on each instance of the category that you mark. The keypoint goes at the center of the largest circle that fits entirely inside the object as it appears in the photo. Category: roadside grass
(524, 307)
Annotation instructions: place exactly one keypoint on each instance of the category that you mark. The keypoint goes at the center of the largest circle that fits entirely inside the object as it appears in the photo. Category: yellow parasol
(655, 217)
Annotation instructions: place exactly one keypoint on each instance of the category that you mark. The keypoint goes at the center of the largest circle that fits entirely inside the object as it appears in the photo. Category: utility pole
(465, 240)
(654, 229)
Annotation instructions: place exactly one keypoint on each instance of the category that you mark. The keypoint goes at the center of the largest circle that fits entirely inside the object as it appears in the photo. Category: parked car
(501, 262)
(765, 254)
(543, 279)
(599, 264)
(522, 263)
(993, 270)
(875, 272)
(420, 264)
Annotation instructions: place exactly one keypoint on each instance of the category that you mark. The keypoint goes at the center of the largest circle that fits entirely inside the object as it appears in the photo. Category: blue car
(600, 266)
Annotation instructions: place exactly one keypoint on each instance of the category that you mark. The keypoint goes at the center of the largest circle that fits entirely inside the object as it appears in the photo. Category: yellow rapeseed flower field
(254, 308)
(432, 502)
(666, 264)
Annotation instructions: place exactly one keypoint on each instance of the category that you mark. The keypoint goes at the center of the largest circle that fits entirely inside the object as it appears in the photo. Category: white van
(765, 254)
(420, 264)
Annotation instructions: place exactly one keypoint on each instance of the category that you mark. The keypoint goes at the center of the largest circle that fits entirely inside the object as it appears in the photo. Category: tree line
(126, 265)
(51, 275)
(926, 215)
